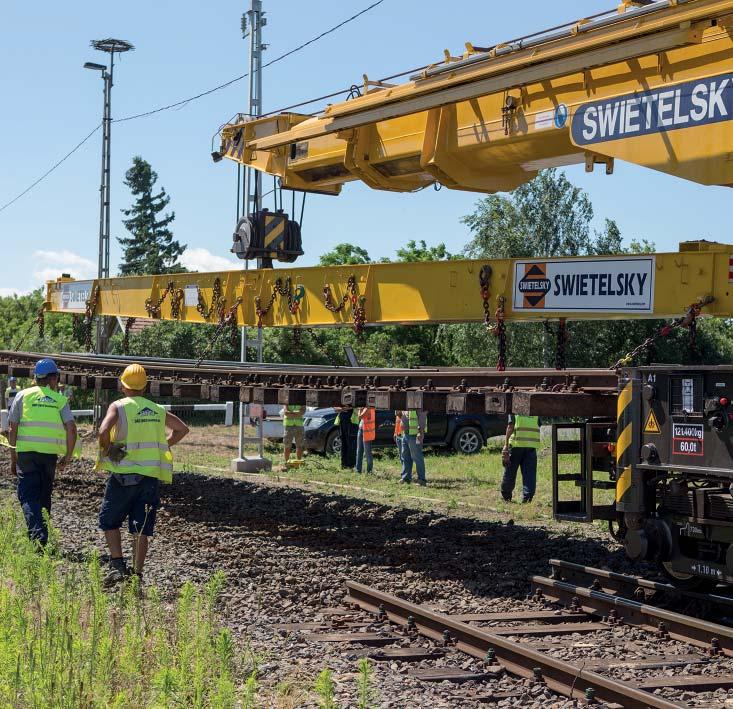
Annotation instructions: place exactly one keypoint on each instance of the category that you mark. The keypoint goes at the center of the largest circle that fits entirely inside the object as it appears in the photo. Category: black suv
(463, 432)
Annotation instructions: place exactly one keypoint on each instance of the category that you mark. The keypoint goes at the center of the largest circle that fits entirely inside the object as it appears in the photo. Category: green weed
(364, 684)
(65, 642)
(324, 688)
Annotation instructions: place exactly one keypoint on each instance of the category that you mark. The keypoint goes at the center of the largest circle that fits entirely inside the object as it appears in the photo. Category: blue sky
(184, 47)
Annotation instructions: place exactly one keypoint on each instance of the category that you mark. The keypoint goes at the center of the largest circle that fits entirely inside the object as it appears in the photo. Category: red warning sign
(730, 270)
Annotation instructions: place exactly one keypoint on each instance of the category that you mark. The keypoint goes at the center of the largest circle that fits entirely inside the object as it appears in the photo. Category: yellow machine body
(657, 86)
(596, 287)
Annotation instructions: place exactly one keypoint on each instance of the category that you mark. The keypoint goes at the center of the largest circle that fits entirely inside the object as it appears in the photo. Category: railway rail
(541, 392)
(522, 643)
(711, 605)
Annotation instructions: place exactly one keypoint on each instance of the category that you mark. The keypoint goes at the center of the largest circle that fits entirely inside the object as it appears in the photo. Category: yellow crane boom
(593, 287)
(650, 84)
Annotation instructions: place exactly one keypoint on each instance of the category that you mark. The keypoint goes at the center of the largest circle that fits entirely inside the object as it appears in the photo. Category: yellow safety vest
(41, 429)
(526, 432)
(140, 428)
(354, 418)
(413, 422)
(291, 418)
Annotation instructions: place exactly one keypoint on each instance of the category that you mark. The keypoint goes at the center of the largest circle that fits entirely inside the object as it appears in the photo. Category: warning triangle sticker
(652, 425)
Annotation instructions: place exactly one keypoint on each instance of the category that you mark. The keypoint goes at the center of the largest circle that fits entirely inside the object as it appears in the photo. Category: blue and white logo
(687, 105)
(561, 116)
(147, 411)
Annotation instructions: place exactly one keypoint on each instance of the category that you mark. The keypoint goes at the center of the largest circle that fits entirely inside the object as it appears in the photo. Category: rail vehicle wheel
(468, 440)
(685, 582)
(617, 530)
(333, 443)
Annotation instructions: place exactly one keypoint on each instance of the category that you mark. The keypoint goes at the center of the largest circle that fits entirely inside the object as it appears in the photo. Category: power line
(51, 169)
(244, 76)
(192, 98)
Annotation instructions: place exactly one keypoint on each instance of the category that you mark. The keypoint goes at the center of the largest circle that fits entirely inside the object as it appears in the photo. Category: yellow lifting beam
(584, 288)
(651, 85)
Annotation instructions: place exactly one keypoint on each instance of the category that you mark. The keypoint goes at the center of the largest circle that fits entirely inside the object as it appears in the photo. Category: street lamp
(111, 47)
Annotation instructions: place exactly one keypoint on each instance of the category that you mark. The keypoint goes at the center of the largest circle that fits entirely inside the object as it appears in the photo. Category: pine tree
(151, 249)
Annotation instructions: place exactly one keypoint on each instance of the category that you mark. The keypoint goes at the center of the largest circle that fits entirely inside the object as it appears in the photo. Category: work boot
(506, 498)
(117, 572)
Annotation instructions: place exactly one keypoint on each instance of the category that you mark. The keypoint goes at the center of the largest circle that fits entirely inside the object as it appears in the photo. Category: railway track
(529, 644)
(542, 392)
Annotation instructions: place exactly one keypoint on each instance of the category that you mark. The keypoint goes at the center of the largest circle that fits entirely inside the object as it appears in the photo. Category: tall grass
(65, 642)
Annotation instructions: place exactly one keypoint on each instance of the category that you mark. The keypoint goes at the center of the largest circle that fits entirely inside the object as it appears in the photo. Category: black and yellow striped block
(274, 232)
(624, 438)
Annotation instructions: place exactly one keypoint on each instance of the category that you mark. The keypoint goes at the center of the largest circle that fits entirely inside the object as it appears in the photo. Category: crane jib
(687, 105)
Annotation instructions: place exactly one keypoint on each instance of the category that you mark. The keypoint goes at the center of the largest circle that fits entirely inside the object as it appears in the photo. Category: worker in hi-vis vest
(10, 392)
(293, 430)
(42, 435)
(365, 435)
(134, 448)
(414, 428)
(520, 452)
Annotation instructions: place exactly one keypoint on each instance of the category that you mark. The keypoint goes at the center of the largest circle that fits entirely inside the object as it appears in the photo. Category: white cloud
(200, 259)
(5, 292)
(55, 263)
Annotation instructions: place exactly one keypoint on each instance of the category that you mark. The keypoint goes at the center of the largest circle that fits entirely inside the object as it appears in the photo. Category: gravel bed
(287, 552)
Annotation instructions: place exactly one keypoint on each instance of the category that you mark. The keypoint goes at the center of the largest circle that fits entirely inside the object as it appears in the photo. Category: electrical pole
(111, 47)
(252, 23)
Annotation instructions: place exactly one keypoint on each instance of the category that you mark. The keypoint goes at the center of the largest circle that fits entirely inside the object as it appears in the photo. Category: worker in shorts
(134, 447)
(293, 431)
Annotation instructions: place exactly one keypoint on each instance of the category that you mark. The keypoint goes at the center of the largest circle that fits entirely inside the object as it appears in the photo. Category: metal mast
(111, 47)
(252, 23)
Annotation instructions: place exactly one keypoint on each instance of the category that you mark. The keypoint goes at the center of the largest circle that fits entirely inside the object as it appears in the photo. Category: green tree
(546, 217)
(420, 251)
(151, 249)
(345, 254)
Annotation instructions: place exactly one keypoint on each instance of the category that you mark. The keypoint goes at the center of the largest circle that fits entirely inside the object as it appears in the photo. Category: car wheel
(468, 440)
(333, 443)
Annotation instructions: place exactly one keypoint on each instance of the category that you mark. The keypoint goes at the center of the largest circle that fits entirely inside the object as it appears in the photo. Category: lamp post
(111, 47)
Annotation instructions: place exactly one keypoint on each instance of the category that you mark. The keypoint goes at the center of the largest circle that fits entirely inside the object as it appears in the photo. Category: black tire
(686, 582)
(468, 440)
(333, 443)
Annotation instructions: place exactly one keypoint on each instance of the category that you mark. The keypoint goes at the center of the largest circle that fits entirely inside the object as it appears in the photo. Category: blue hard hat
(45, 367)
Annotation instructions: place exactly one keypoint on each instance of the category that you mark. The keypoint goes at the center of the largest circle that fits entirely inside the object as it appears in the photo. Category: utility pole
(111, 47)
(252, 23)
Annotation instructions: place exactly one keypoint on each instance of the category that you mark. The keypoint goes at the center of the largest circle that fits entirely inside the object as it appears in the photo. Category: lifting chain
(499, 331)
(227, 321)
(153, 308)
(38, 320)
(498, 328)
(298, 341)
(286, 291)
(484, 279)
(176, 302)
(126, 339)
(217, 302)
(358, 303)
(83, 326)
(689, 320)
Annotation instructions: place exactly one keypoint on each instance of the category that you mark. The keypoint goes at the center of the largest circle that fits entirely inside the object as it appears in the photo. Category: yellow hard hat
(134, 377)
